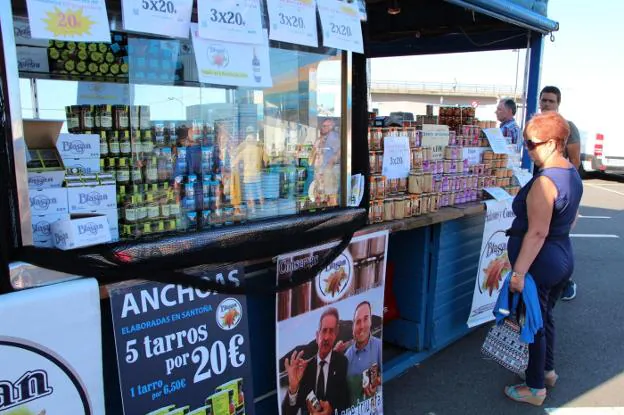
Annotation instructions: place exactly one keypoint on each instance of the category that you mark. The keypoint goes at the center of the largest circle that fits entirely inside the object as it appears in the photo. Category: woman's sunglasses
(532, 145)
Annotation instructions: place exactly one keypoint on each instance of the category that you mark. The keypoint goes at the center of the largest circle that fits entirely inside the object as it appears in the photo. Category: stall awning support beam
(508, 12)
(535, 68)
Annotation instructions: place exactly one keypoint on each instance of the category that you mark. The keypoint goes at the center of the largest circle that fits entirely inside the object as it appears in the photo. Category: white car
(601, 153)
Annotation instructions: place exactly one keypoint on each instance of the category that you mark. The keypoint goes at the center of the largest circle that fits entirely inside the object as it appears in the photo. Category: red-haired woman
(539, 242)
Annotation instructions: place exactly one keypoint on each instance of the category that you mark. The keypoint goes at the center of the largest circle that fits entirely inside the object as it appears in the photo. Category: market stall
(136, 152)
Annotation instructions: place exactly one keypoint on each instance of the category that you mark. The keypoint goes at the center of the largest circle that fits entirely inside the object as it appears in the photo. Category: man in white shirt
(324, 374)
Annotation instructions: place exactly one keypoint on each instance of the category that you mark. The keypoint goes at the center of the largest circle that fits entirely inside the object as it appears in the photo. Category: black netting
(175, 258)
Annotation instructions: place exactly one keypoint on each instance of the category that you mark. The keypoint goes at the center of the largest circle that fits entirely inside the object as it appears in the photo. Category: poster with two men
(329, 331)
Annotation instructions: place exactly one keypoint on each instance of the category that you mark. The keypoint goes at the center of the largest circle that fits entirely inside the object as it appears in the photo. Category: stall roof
(449, 26)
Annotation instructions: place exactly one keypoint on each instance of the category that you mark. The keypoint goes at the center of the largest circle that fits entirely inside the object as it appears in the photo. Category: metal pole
(535, 65)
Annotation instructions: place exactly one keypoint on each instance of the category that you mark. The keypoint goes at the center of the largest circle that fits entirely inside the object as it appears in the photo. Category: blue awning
(509, 12)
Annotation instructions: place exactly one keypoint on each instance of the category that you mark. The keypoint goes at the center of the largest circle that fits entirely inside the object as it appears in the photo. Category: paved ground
(590, 349)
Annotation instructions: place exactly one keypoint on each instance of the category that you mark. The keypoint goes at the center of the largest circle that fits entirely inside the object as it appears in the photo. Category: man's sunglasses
(532, 145)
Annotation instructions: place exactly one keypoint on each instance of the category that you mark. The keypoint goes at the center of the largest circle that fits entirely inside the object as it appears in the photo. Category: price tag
(523, 177)
(229, 63)
(161, 17)
(497, 193)
(436, 137)
(497, 141)
(473, 154)
(341, 25)
(71, 20)
(231, 21)
(396, 158)
(293, 21)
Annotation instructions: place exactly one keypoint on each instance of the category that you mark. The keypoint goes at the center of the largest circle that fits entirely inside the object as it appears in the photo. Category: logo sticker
(229, 313)
(335, 280)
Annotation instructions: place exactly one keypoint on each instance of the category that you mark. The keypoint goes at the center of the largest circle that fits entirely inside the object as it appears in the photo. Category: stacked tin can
(391, 199)
(493, 172)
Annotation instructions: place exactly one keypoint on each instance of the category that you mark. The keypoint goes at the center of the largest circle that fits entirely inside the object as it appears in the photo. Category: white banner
(100, 93)
(341, 25)
(293, 21)
(493, 261)
(337, 318)
(71, 20)
(51, 350)
(160, 17)
(231, 20)
(227, 63)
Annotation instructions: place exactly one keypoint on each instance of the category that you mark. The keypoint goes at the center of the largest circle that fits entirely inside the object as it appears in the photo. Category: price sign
(293, 21)
(179, 349)
(231, 21)
(436, 137)
(228, 63)
(162, 17)
(396, 158)
(341, 25)
(497, 141)
(497, 193)
(72, 20)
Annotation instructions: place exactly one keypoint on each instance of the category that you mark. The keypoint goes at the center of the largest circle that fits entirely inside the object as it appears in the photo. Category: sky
(585, 61)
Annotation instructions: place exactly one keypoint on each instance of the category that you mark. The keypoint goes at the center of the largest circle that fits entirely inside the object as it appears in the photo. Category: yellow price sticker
(68, 22)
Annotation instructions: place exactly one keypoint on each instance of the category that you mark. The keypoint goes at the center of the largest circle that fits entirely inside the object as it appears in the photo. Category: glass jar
(72, 113)
(153, 210)
(103, 145)
(121, 117)
(125, 148)
(151, 170)
(147, 142)
(136, 175)
(106, 117)
(86, 117)
(123, 171)
(135, 144)
(113, 143)
(388, 210)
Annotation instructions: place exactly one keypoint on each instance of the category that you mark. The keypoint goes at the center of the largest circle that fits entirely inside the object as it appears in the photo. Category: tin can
(314, 402)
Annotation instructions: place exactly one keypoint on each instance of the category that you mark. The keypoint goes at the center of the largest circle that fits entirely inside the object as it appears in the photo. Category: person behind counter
(539, 242)
(505, 113)
(325, 374)
(364, 355)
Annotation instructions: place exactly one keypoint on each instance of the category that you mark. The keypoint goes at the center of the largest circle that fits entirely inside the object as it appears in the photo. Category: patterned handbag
(503, 345)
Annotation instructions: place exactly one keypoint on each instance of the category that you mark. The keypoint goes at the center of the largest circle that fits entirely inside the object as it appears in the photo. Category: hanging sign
(493, 262)
(396, 157)
(51, 350)
(160, 17)
(336, 318)
(231, 20)
(341, 25)
(227, 63)
(293, 21)
(72, 20)
(497, 141)
(182, 350)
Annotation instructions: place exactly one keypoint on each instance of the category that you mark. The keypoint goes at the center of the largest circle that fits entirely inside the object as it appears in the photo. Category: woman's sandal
(550, 378)
(535, 397)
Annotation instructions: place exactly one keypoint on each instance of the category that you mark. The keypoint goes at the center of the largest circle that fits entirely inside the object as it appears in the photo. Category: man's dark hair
(363, 303)
(510, 104)
(552, 90)
(331, 311)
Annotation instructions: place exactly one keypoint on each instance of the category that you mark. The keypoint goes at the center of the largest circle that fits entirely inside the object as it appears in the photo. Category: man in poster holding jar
(318, 386)
(364, 356)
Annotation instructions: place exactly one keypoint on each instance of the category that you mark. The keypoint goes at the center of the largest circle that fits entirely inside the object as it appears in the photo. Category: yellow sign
(68, 22)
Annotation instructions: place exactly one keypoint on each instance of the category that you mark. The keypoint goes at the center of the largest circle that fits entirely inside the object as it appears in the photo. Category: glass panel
(186, 156)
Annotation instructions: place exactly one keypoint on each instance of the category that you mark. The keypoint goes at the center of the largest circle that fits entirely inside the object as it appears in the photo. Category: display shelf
(116, 80)
(442, 215)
